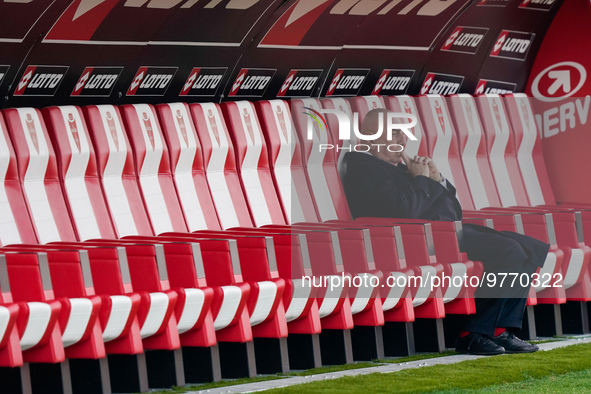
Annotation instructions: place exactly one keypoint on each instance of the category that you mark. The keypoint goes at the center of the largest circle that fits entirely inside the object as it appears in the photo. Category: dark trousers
(501, 253)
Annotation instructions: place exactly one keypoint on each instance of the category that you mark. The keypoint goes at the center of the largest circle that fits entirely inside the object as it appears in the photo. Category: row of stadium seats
(133, 309)
(148, 246)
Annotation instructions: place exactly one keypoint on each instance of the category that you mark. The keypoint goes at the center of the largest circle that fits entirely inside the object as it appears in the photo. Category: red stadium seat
(220, 166)
(285, 156)
(72, 286)
(265, 306)
(153, 168)
(334, 304)
(79, 324)
(116, 170)
(10, 350)
(252, 162)
(222, 273)
(120, 315)
(187, 166)
(38, 174)
(528, 150)
(320, 165)
(13, 228)
(40, 337)
(76, 165)
(442, 145)
(195, 323)
(342, 105)
(156, 317)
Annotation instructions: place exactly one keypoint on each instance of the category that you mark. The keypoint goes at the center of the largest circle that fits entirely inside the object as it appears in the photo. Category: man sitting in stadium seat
(382, 183)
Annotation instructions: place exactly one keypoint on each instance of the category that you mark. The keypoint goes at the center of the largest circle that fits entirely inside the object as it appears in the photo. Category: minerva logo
(390, 122)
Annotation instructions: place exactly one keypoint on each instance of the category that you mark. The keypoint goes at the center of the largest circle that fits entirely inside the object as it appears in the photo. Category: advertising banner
(112, 51)
(559, 82)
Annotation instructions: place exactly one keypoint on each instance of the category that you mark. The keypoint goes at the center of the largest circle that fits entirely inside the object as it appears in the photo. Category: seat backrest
(71, 277)
(501, 150)
(186, 160)
(320, 163)
(252, 162)
(323, 247)
(472, 145)
(108, 267)
(345, 146)
(37, 169)
(29, 277)
(77, 170)
(186, 268)
(406, 104)
(15, 223)
(146, 263)
(442, 144)
(221, 262)
(291, 251)
(147, 267)
(285, 157)
(256, 254)
(529, 149)
(220, 166)
(69, 269)
(116, 171)
(153, 168)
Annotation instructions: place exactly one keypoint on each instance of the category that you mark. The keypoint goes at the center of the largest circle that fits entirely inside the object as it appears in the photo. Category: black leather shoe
(512, 344)
(475, 343)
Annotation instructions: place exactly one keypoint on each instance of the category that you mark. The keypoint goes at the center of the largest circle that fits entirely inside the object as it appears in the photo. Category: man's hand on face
(416, 167)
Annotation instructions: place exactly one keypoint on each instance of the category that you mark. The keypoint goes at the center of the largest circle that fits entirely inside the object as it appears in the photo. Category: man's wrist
(436, 177)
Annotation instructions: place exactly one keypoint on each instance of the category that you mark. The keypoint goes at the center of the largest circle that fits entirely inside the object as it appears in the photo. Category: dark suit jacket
(375, 188)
